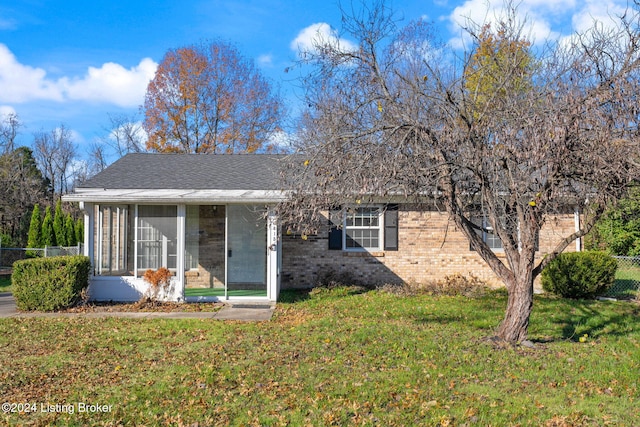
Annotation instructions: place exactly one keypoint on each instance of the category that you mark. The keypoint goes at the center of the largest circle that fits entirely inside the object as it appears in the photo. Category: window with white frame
(363, 228)
(488, 236)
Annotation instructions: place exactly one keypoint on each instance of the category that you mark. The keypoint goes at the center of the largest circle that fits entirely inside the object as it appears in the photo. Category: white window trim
(379, 227)
(487, 230)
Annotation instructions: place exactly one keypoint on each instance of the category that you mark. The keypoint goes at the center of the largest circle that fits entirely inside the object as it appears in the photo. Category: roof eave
(100, 195)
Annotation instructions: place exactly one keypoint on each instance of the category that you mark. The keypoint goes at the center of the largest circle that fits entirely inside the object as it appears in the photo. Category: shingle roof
(191, 172)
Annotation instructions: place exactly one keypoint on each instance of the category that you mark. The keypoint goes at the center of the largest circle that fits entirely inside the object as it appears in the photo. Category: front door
(246, 251)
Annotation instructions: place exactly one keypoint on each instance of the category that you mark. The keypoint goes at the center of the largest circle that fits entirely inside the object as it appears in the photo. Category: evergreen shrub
(49, 284)
(580, 275)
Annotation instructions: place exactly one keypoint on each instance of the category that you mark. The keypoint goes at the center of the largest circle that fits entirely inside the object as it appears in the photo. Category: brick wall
(430, 247)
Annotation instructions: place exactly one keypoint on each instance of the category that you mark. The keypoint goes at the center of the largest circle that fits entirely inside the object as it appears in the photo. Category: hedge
(49, 284)
(580, 274)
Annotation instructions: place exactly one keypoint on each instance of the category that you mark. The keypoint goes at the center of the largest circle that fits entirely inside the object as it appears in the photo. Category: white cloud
(603, 11)
(7, 110)
(281, 141)
(22, 83)
(319, 34)
(265, 60)
(534, 14)
(111, 83)
(76, 136)
(544, 19)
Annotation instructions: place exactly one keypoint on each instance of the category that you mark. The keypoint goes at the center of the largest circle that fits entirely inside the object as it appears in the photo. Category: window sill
(377, 254)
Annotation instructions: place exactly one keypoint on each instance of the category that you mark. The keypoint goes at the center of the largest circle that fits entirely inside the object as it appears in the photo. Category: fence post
(45, 251)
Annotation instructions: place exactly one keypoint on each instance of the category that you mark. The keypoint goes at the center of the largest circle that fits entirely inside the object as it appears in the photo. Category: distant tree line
(33, 177)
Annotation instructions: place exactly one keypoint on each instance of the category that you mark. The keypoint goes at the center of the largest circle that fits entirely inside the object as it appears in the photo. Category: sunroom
(208, 223)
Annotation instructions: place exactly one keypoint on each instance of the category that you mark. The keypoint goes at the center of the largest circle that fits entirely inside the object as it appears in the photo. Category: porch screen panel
(157, 237)
(204, 260)
(112, 241)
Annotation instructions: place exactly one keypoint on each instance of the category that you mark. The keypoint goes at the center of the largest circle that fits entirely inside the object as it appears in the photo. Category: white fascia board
(99, 195)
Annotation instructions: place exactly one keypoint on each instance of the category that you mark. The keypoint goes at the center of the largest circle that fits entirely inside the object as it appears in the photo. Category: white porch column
(273, 254)
(89, 233)
(180, 248)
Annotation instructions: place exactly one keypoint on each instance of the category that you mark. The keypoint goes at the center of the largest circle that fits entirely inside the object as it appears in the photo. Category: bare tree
(97, 159)
(8, 131)
(54, 152)
(125, 135)
(400, 114)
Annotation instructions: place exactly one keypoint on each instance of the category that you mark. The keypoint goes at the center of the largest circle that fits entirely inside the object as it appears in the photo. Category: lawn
(332, 357)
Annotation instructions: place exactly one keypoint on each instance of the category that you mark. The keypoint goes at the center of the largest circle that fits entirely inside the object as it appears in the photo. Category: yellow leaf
(380, 106)
(532, 203)
(306, 163)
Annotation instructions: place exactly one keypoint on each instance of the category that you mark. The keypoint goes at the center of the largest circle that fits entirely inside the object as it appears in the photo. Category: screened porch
(214, 251)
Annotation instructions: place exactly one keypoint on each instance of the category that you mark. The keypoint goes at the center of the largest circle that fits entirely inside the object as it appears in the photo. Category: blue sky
(75, 62)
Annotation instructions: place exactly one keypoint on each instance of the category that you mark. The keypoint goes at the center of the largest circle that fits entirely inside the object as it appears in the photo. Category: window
(370, 228)
(157, 234)
(362, 228)
(488, 236)
(111, 250)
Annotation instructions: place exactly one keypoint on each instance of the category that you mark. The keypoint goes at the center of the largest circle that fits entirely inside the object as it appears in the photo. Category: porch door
(246, 251)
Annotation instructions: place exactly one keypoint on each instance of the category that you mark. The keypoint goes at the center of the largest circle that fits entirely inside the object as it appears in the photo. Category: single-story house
(210, 220)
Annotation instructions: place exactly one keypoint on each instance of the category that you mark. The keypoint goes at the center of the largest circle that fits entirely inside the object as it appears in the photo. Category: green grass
(333, 357)
(5, 283)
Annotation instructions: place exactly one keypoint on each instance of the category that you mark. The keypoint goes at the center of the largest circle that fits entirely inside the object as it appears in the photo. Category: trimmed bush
(49, 284)
(580, 274)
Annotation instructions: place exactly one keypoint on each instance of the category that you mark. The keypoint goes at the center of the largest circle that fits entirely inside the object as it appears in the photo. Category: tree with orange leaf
(208, 98)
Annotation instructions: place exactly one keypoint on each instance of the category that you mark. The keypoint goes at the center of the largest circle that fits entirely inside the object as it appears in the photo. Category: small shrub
(452, 285)
(49, 284)
(331, 279)
(160, 281)
(579, 274)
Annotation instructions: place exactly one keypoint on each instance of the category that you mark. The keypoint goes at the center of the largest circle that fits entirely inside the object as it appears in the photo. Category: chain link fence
(627, 284)
(10, 255)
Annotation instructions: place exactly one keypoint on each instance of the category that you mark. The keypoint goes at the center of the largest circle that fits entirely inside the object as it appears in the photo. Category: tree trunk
(513, 328)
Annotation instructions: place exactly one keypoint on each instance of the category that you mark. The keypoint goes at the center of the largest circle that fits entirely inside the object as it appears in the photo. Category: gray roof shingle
(191, 172)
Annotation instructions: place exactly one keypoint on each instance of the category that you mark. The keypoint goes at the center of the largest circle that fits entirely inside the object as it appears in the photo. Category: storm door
(246, 251)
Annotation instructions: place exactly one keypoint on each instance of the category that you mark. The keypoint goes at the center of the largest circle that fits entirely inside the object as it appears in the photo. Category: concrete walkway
(244, 312)
(7, 305)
